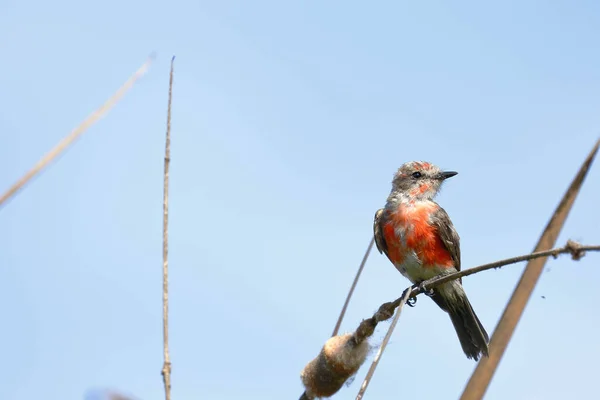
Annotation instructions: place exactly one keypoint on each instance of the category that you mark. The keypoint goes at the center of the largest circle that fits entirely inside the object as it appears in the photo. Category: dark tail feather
(471, 333)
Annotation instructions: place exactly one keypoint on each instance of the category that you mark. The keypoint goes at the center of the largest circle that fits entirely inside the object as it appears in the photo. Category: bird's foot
(412, 301)
(423, 289)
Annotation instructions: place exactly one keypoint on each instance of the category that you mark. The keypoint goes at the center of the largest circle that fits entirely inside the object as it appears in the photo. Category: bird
(418, 237)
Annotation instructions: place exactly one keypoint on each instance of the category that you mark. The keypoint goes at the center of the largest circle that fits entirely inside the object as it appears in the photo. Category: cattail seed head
(339, 359)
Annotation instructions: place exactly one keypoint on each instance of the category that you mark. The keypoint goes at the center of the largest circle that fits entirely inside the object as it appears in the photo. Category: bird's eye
(416, 174)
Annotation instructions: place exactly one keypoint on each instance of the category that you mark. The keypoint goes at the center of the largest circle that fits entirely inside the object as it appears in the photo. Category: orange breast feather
(419, 236)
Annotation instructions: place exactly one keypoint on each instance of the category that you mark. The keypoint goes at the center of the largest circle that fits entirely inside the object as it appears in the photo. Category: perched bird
(417, 236)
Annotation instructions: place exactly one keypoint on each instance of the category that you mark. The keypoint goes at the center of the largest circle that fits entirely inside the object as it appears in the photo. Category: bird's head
(418, 180)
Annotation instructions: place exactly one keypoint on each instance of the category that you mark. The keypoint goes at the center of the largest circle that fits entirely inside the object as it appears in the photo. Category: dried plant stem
(386, 339)
(351, 291)
(367, 327)
(481, 377)
(577, 251)
(65, 142)
(166, 369)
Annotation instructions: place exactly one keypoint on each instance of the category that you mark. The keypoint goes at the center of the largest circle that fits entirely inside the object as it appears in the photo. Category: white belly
(412, 268)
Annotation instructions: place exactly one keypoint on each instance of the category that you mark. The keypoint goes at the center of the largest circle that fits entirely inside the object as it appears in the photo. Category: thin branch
(576, 250)
(481, 377)
(68, 140)
(386, 339)
(166, 369)
(360, 269)
(386, 310)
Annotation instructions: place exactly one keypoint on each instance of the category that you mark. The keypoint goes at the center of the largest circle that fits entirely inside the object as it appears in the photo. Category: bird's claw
(423, 289)
(411, 301)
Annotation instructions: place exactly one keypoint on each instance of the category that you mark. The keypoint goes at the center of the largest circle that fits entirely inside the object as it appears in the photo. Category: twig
(360, 269)
(386, 310)
(66, 141)
(576, 250)
(386, 339)
(481, 377)
(166, 369)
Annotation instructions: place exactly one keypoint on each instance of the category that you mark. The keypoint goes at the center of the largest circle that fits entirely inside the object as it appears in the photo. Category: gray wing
(378, 232)
(441, 221)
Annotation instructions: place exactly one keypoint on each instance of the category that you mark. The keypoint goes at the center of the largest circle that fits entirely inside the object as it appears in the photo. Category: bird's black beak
(446, 175)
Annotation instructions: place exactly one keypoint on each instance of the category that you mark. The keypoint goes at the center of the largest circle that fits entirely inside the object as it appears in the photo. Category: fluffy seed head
(340, 359)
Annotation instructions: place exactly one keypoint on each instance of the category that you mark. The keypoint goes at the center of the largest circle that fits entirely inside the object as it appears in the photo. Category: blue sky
(289, 121)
